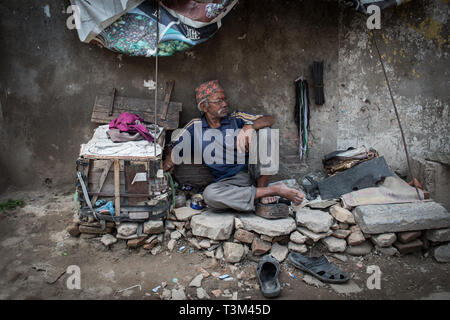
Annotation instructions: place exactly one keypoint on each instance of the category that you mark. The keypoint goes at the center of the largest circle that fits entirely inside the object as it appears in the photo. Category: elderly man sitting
(238, 183)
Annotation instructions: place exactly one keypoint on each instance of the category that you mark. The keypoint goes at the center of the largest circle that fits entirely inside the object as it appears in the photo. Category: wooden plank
(102, 179)
(130, 158)
(137, 187)
(116, 187)
(142, 107)
(169, 88)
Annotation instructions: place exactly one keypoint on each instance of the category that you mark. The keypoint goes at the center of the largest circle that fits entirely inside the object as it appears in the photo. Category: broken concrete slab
(185, 213)
(127, 228)
(374, 219)
(271, 228)
(202, 294)
(315, 220)
(346, 288)
(178, 294)
(438, 235)
(215, 226)
(442, 253)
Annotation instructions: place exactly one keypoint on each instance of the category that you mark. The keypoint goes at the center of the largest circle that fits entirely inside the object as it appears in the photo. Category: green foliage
(11, 204)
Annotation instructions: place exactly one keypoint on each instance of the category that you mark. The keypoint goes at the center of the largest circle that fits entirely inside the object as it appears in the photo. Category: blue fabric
(220, 171)
(107, 207)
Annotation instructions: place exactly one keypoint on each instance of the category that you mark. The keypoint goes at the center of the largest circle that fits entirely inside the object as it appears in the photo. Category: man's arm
(263, 122)
(244, 137)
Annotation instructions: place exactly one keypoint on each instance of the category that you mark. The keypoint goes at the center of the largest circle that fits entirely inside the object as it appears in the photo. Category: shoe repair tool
(111, 105)
(197, 202)
(318, 82)
(302, 115)
(396, 112)
(169, 88)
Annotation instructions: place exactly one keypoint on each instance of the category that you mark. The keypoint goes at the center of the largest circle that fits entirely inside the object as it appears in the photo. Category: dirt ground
(36, 234)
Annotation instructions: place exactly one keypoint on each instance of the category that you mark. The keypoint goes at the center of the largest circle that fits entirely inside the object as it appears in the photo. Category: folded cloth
(131, 123)
(117, 136)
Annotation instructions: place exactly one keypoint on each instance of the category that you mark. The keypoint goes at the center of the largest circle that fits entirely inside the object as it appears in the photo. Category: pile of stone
(387, 229)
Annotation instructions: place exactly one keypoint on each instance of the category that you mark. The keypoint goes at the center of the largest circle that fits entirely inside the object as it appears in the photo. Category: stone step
(374, 219)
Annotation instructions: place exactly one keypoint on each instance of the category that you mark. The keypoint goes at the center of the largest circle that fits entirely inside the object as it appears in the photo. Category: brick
(260, 247)
(405, 237)
(151, 245)
(413, 246)
(244, 236)
(135, 243)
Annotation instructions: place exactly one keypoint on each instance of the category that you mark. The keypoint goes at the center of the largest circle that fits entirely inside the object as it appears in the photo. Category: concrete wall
(49, 80)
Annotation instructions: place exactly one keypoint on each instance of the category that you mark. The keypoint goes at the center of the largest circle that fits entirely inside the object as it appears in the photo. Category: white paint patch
(47, 11)
(150, 84)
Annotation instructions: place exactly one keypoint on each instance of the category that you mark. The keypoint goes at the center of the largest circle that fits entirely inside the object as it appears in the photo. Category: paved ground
(36, 234)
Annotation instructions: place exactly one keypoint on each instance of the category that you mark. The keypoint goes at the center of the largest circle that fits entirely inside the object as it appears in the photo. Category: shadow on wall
(3, 179)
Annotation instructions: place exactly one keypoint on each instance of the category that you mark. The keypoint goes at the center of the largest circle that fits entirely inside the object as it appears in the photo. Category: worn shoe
(268, 271)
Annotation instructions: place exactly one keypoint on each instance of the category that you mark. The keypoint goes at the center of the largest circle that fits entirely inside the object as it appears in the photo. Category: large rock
(384, 240)
(312, 235)
(185, 213)
(438, 235)
(315, 220)
(271, 228)
(359, 250)
(244, 236)
(342, 215)
(279, 252)
(233, 252)
(334, 244)
(442, 253)
(153, 227)
(399, 217)
(215, 226)
(405, 237)
(108, 240)
(127, 228)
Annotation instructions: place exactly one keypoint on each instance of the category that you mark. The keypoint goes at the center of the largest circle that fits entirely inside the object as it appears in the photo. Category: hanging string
(396, 114)
(156, 73)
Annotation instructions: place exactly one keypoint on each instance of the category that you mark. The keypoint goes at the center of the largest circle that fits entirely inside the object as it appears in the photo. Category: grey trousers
(238, 192)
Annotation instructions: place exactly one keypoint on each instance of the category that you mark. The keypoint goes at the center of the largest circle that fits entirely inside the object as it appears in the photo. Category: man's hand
(244, 138)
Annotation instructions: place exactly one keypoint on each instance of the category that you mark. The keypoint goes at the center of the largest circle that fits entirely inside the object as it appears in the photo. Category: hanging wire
(156, 74)
(396, 114)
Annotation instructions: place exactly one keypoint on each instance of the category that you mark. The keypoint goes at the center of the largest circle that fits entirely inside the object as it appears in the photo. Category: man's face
(218, 107)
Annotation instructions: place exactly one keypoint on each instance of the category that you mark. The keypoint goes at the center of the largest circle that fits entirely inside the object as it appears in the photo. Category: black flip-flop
(268, 271)
(318, 267)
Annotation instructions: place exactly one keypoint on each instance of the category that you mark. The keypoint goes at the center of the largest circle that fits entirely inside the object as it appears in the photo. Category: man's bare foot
(267, 200)
(294, 195)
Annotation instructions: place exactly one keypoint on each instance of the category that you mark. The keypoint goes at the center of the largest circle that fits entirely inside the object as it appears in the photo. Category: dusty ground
(36, 234)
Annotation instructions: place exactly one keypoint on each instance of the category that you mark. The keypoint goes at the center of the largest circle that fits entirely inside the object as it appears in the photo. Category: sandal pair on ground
(269, 269)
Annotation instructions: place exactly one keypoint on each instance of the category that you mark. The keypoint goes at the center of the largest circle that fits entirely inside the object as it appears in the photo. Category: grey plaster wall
(49, 81)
